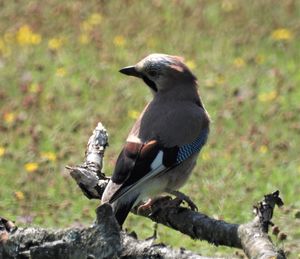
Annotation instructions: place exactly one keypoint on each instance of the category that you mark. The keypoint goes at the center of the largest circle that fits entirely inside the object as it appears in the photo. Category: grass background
(59, 65)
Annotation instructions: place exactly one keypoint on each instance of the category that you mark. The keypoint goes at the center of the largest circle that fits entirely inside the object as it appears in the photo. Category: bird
(163, 145)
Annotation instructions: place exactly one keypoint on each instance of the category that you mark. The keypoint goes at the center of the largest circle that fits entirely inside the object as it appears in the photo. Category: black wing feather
(133, 164)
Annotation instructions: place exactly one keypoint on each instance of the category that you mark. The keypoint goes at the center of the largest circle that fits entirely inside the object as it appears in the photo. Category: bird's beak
(130, 71)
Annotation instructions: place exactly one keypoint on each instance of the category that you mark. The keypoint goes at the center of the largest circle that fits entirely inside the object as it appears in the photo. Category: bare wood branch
(103, 239)
(106, 240)
(251, 237)
(88, 175)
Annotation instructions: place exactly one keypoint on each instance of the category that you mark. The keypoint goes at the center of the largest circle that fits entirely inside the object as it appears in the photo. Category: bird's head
(161, 72)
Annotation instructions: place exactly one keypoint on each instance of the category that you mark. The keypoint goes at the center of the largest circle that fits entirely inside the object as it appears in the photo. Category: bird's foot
(145, 206)
(182, 197)
(154, 205)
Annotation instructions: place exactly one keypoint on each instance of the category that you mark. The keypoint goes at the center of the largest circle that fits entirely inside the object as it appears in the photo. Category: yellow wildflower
(119, 41)
(61, 72)
(268, 97)
(95, 19)
(25, 36)
(205, 155)
(35, 39)
(9, 117)
(49, 156)
(2, 151)
(239, 62)
(34, 88)
(31, 167)
(191, 64)
(263, 149)
(133, 114)
(282, 34)
(55, 43)
(84, 39)
(19, 195)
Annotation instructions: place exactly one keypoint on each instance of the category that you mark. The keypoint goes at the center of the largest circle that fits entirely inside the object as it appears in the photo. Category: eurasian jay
(164, 143)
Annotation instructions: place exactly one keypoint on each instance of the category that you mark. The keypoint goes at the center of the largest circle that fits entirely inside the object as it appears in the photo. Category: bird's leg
(181, 196)
(146, 205)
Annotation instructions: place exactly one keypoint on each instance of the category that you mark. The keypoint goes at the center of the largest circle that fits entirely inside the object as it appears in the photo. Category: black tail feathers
(121, 210)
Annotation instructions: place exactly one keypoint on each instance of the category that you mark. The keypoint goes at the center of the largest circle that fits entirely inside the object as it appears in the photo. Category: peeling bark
(102, 240)
(251, 237)
(105, 239)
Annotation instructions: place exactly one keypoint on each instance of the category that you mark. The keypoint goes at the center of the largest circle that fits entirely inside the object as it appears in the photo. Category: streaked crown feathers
(162, 62)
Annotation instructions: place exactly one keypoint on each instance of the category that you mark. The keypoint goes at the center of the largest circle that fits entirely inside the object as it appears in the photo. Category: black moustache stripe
(150, 83)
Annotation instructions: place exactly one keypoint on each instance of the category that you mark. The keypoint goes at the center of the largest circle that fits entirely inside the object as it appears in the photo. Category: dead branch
(251, 237)
(104, 239)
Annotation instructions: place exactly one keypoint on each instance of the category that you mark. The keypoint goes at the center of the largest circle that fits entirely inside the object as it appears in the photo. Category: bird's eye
(152, 73)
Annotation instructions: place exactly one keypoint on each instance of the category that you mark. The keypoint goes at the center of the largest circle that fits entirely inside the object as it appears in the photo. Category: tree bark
(106, 240)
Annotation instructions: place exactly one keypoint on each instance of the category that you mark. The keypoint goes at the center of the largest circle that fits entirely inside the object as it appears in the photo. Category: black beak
(130, 71)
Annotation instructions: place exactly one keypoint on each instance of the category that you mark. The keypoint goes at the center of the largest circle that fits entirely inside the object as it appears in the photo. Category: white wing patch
(133, 138)
(157, 161)
(156, 168)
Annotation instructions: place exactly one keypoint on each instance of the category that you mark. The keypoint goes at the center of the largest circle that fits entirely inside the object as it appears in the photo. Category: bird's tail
(122, 209)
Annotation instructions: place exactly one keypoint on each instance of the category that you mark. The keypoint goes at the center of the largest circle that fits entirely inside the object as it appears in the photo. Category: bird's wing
(139, 162)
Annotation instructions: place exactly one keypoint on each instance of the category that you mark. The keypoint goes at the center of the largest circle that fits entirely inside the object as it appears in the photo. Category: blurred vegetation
(59, 63)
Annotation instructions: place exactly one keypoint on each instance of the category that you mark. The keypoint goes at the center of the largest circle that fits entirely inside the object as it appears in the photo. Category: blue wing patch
(187, 150)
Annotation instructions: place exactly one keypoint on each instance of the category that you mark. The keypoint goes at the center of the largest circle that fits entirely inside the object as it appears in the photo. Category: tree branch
(104, 239)
(251, 237)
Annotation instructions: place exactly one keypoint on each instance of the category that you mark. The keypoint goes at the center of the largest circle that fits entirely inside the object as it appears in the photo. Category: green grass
(51, 100)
